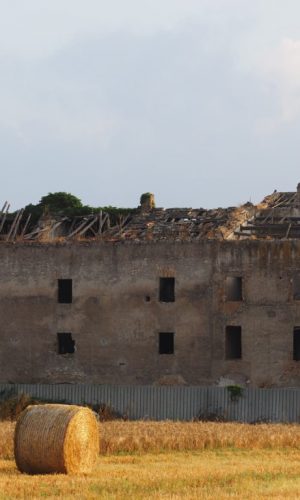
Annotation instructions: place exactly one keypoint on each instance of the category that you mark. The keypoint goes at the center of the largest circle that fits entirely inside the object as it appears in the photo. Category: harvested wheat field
(171, 460)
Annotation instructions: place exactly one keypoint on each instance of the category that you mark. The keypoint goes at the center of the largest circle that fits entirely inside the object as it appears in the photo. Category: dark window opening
(233, 344)
(166, 343)
(66, 345)
(233, 289)
(296, 344)
(167, 289)
(65, 291)
(147, 298)
(296, 286)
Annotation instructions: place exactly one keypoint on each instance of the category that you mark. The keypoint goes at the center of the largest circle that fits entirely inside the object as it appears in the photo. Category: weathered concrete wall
(116, 329)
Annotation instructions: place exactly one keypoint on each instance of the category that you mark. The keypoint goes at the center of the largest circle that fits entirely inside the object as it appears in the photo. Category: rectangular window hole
(233, 289)
(167, 289)
(296, 344)
(296, 286)
(233, 342)
(66, 345)
(166, 343)
(65, 291)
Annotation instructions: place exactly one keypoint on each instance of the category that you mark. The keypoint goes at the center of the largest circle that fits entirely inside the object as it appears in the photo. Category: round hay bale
(56, 438)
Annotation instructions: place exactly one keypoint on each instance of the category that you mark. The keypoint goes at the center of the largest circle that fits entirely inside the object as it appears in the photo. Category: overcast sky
(197, 101)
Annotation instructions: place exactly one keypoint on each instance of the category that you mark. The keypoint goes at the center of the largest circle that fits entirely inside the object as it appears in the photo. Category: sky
(197, 101)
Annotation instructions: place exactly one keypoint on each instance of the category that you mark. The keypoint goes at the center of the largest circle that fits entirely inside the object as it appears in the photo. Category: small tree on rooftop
(60, 202)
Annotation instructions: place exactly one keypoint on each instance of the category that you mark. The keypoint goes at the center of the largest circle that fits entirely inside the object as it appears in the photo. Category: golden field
(172, 460)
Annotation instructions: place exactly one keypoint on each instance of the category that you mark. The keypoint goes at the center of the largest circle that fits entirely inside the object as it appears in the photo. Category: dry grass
(212, 460)
(14, 404)
(210, 474)
(130, 437)
(7, 439)
(153, 437)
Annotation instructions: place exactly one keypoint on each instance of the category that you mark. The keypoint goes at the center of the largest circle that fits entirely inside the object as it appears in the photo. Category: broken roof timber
(276, 217)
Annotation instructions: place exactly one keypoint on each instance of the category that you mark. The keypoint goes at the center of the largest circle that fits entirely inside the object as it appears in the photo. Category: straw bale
(55, 438)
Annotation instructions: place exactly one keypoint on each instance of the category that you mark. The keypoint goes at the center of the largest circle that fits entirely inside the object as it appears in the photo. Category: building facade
(197, 311)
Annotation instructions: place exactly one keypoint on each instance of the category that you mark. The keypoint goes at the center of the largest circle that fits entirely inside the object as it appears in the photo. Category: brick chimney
(147, 202)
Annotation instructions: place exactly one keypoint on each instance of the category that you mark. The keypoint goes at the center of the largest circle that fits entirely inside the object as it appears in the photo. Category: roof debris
(276, 217)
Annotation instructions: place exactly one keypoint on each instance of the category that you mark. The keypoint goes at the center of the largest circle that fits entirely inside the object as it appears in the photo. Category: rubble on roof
(183, 224)
(276, 217)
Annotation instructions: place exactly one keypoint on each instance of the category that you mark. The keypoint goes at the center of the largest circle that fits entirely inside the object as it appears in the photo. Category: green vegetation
(235, 391)
(66, 204)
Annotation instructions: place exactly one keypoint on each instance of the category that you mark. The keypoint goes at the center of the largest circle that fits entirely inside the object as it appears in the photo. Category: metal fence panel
(174, 403)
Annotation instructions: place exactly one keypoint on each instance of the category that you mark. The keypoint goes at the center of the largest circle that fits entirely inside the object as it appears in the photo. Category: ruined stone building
(202, 297)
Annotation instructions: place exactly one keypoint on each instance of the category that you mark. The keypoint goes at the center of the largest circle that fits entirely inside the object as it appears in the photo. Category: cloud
(280, 73)
(45, 109)
(37, 122)
(38, 28)
(109, 99)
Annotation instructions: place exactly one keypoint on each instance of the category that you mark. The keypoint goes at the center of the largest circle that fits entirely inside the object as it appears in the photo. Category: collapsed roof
(276, 217)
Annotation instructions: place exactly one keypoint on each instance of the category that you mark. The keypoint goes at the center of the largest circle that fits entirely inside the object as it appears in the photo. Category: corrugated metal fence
(174, 403)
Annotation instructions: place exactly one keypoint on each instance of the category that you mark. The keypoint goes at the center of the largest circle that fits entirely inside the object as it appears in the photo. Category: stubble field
(171, 460)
